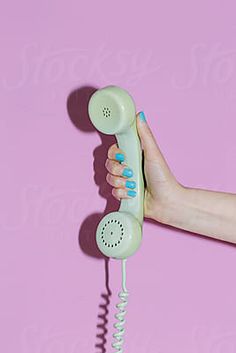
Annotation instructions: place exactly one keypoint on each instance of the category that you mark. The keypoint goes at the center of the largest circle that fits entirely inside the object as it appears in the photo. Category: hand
(205, 212)
(162, 188)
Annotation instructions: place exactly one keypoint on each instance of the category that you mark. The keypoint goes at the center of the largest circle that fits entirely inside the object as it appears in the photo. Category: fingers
(119, 182)
(119, 174)
(116, 153)
(123, 194)
(118, 169)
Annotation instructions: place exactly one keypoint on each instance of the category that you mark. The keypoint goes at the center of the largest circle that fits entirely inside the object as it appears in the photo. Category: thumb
(148, 141)
(152, 153)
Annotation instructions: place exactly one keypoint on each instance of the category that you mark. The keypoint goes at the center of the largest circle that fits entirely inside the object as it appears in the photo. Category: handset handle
(129, 142)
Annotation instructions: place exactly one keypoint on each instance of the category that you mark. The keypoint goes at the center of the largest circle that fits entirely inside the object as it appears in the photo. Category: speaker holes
(106, 112)
(112, 238)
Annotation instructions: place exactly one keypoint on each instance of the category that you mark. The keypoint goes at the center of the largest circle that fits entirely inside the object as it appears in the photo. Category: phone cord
(119, 325)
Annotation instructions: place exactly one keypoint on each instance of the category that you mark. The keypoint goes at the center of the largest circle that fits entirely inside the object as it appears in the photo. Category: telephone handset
(112, 112)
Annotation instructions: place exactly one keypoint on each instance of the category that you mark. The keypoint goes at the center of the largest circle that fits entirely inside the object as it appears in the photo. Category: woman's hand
(162, 188)
(200, 211)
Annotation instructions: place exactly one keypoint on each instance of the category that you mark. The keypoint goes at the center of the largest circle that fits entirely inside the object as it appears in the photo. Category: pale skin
(205, 212)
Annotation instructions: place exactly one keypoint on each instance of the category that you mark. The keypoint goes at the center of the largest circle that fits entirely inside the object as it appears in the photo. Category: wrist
(171, 210)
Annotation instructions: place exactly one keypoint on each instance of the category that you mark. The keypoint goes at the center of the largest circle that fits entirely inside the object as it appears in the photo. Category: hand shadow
(77, 107)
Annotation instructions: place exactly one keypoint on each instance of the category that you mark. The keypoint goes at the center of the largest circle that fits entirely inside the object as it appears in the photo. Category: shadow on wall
(77, 107)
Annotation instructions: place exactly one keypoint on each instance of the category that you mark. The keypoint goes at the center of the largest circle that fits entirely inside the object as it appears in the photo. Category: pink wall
(178, 60)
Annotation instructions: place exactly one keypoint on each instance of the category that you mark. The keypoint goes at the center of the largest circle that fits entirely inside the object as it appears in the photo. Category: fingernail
(127, 173)
(142, 116)
(120, 157)
(130, 184)
(131, 193)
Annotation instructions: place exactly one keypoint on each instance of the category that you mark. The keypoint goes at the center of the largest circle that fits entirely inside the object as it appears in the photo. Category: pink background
(178, 60)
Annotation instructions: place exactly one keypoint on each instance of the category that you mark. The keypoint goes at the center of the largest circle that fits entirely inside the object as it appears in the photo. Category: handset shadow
(77, 108)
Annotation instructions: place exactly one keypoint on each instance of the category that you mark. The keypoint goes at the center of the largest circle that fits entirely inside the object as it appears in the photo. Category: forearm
(204, 212)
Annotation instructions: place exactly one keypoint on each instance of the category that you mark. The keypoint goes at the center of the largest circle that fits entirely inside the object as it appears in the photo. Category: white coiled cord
(123, 295)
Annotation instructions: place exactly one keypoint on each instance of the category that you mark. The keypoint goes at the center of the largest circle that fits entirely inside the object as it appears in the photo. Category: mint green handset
(112, 112)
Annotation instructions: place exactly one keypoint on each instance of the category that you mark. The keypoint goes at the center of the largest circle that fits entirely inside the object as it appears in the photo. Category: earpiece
(112, 111)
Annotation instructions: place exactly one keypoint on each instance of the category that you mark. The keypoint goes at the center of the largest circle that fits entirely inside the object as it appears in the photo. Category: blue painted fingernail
(127, 173)
(142, 116)
(130, 184)
(131, 193)
(120, 157)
